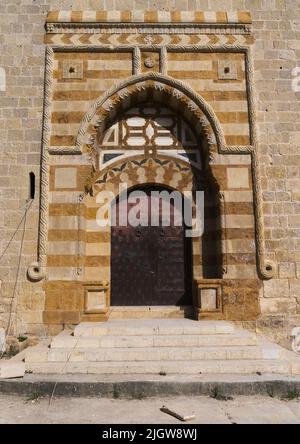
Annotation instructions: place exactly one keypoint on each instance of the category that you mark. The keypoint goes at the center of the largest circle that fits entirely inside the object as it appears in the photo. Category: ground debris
(165, 409)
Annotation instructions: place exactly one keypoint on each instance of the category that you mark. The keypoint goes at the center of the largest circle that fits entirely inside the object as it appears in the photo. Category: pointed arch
(200, 115)
(176, 94)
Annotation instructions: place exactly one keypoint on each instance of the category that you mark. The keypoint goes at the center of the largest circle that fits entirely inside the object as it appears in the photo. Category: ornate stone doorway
(153, 130)
(150, 265)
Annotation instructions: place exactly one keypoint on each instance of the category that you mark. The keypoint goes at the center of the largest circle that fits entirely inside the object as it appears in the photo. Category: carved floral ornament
(161, 170)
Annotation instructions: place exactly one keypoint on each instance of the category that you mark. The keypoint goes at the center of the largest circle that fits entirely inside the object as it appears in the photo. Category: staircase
(160, 346)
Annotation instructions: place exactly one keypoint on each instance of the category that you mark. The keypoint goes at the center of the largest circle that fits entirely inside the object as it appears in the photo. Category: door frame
(187, 248)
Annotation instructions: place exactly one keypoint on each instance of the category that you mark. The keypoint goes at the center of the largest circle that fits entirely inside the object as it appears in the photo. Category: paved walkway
(241, 410)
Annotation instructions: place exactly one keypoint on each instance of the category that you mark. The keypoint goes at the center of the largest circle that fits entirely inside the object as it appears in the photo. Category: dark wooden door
(150, 265)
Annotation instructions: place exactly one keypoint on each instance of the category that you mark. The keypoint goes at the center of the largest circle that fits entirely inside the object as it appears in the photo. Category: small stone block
(2, 340)
(208, 299)
(73, 69)
(65, 178)
(296, 368)
(95, 301)
(227, 70)
(12, 370)
(238, 178)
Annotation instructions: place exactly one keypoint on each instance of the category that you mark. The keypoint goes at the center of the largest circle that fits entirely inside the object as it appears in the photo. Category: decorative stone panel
(96, 299)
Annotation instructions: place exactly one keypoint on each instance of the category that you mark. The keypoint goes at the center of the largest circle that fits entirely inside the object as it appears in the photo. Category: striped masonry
(76, 241)
(101, 71)
(141, 16)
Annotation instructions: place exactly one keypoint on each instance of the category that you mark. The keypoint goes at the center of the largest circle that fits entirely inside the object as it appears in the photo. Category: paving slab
(260, 411)
(294, 406)
(65, 410)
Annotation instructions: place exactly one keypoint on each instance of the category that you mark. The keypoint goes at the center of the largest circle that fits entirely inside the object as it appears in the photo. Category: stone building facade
(187, 95)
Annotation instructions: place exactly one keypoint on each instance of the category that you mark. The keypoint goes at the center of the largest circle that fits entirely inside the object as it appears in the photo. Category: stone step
(155, 346)
(147, 327)
(168, 367)
(240, 338)
(151, 312)
(155, 354)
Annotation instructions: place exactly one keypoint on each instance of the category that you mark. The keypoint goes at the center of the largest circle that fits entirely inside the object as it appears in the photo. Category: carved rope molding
(181, 91)
(266, 268)
(145, 28)
(235, 47)
(136, 51)
(164, 60)
(137, 61)
(37, 270)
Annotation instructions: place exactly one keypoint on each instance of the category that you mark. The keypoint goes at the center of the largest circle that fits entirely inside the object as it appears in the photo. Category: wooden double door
(150, 265)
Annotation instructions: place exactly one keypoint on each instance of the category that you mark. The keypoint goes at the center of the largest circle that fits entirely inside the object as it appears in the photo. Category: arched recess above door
(152, 129)
(159, 88)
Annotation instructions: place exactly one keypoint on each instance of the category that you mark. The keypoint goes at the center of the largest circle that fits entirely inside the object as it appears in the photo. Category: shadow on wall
(212, 255)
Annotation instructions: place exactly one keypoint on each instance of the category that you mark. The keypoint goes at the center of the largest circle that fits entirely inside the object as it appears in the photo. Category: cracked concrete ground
(65, 410)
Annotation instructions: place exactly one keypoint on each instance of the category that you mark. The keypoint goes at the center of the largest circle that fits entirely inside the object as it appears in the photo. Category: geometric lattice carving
(149, 128)
(149, 125)
(111, 136)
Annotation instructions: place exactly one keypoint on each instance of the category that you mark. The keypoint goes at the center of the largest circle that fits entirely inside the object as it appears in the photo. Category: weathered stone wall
(276, 52)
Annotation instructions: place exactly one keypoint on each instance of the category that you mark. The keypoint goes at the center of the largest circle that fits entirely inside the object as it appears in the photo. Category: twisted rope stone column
(37, 270)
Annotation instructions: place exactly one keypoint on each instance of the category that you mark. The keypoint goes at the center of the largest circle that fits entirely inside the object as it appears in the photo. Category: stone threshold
(151, 312)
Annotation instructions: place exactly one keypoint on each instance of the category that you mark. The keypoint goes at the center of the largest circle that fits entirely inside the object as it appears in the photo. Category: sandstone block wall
(276, 52)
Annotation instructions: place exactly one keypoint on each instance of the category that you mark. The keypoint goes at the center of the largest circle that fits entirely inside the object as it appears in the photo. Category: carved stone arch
(174, 174)
(98, 116)
(201, 117)
(176, 95)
